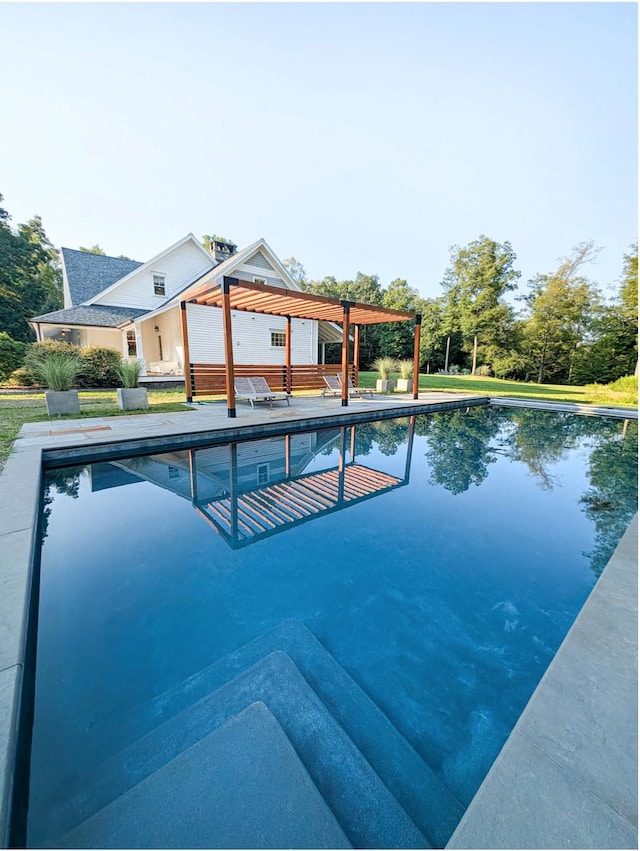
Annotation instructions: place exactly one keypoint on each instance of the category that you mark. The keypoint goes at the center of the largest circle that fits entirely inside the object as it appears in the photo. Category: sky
(364, 137)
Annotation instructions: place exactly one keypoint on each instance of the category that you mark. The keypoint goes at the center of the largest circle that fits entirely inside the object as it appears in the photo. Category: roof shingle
(90, 274)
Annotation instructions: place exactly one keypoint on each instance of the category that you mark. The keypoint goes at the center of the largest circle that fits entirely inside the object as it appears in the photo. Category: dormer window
(158, 285)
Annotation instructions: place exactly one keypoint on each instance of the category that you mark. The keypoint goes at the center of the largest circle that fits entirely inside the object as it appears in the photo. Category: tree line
(565, 331)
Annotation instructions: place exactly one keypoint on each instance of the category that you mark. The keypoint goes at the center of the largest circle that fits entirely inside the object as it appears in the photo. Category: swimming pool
(423, 573)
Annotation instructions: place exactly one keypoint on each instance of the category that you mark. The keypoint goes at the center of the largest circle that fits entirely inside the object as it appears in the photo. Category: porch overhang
(235, 294)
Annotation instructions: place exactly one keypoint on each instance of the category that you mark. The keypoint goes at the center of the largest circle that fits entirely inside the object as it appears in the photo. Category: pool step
(246, 789)
(366, 810)
(430, 804)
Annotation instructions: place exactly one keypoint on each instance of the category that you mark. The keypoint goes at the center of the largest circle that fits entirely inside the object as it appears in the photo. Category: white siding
(178, 267)
(251, 337)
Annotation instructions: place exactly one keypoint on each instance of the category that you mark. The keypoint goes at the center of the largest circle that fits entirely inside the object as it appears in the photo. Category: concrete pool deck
(567, 776)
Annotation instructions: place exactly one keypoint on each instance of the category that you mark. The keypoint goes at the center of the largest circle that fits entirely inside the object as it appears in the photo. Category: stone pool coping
(73, 441)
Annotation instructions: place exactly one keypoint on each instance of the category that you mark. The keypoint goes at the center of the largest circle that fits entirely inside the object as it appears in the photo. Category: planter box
(385, 385)
(132, 398)
(404, 385)
(62, 402)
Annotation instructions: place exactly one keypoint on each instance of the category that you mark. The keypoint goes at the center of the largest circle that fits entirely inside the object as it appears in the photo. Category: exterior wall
(258, 266)
(180, 266)
(110, 338)
(170, 332)
(251, 337)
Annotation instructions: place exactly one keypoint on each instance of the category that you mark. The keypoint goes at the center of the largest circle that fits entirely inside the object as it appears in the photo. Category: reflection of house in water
(254, 489)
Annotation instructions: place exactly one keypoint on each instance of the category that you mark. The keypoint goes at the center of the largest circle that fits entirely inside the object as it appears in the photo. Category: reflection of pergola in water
(233, 294)
(243, 517)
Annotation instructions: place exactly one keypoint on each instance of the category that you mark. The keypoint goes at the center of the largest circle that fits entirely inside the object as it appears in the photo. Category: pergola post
(188, 389)
(228, 348)
(346, 308)
(356, 355)
(287, 355)
(416, 354)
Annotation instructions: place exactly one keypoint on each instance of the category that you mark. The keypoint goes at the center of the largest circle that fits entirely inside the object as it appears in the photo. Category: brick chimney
(221, 249)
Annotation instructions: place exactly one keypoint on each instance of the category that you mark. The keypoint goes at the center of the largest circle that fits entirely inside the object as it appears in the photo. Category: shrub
(483, 370)
(37, 353)
(384, 367)
(20, 378)
(59, 370)
(626, 384)
(128, 371)
(12, 354)
(405, 367)
(99, 367)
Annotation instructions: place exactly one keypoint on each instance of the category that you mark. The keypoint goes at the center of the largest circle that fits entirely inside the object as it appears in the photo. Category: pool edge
(547, 787)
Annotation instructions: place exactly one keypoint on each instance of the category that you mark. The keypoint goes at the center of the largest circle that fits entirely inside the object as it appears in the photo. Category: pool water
(439, 560)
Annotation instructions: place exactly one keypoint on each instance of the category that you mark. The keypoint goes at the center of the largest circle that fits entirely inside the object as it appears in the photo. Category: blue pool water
(439, 560)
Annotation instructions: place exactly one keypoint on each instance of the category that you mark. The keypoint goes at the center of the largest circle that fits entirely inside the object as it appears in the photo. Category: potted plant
(404, 383)
(383, 367)
(58, 372)
(130, 396)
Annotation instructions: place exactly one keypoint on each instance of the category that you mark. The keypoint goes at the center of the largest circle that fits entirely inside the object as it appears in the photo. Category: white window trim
(260, 467)
(282, 333)
(259, 279)
(164, 281)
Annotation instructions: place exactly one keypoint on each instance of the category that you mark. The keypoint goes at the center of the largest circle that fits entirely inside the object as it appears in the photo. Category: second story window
(158, 285)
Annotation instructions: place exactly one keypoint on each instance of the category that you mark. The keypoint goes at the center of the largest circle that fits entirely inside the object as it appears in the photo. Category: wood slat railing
(209, 378)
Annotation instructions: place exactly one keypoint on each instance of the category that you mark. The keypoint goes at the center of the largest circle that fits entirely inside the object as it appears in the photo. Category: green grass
(16, 409)
(591, 393)
(19, 408)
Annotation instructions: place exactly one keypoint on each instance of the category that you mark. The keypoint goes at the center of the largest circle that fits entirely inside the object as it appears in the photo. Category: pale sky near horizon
(355, 136)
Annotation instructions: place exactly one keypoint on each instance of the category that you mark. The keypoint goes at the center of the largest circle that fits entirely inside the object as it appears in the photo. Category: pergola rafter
(235, 294)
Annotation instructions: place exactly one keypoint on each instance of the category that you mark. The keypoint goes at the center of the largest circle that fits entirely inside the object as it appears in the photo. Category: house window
(263, 474)
(174, 472)
(278, 338)
(259, 280)
(158, 285)
(132, 345)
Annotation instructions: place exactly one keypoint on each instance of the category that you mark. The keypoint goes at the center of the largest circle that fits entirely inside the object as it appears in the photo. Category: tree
(396, 338)
(612, 351)
(95, 249)
(479, 275)
(561, 308)
(296, 270)
(30, 275)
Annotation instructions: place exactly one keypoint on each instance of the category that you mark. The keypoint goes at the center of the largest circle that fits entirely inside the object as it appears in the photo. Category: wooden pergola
(234, 294)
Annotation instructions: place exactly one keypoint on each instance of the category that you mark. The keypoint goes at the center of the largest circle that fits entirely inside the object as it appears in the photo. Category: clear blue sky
(363, 136)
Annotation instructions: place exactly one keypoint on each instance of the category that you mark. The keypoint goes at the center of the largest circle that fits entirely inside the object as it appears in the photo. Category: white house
(134, 307)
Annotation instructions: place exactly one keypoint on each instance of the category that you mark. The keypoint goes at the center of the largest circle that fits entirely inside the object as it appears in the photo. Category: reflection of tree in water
(541, 439)
(458, 448)
(65, 482)
(612, 499)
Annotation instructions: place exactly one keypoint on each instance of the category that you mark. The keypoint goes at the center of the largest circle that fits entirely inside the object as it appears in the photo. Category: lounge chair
(355, 391)
(261, 387)
(333, 388)
(245, 390)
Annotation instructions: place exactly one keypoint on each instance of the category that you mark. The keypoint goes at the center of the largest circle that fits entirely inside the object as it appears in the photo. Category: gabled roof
(228, 266)
(89, 274)
(103, 316)
(154, 261)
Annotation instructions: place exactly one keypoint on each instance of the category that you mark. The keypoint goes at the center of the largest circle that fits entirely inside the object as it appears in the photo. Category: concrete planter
(62, 402)
(404, 385)
(132, 398)
(385, 385)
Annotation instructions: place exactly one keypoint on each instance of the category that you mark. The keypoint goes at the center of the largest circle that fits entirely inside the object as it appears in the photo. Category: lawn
(19, 408)
(591, 393)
